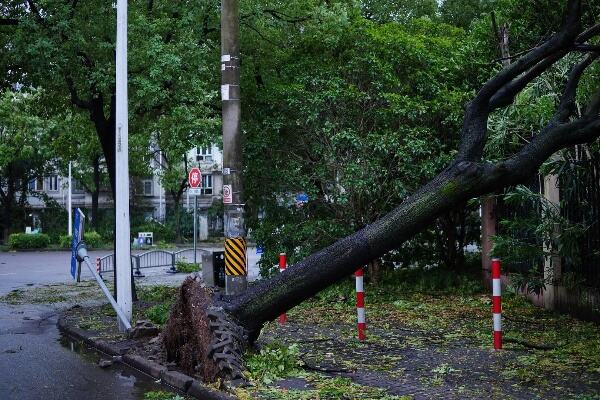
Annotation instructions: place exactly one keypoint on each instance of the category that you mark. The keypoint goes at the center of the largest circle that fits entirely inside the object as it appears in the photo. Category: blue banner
(77, 236)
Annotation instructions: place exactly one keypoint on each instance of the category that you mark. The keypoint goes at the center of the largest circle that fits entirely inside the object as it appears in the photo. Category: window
(36, 185)
(207, 184)
(147, 187)
(52, 183)
(77, 187)
(203, 154)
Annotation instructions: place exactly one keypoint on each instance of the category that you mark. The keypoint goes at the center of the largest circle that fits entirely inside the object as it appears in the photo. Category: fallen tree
(207, 332)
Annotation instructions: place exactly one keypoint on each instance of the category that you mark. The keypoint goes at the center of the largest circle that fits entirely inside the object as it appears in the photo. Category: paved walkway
(423, 366)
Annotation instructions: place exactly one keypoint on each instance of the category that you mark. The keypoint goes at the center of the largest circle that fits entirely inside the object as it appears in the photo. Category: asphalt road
(36, 362)
(18, 269)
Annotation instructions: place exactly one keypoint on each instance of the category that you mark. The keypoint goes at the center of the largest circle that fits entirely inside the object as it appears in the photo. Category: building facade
(148, 195)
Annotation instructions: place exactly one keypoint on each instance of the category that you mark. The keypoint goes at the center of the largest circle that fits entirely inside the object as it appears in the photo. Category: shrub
(92, 239)
(187, 267)
(28, 241)
(65, 241)
(159, 313)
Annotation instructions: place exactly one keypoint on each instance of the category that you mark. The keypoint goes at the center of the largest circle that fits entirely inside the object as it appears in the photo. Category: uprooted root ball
(201, 337)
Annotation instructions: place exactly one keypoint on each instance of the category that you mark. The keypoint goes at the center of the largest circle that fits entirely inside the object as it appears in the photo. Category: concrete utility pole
(234, 227)
(122, 246)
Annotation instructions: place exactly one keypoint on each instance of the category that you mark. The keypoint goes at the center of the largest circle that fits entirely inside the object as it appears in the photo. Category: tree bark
(95, 192)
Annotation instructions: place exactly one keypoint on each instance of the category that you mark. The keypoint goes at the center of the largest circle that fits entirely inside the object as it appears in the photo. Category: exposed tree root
(201, 337)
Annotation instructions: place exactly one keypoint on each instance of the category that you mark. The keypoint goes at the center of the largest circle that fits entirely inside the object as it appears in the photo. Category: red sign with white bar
(195, 178)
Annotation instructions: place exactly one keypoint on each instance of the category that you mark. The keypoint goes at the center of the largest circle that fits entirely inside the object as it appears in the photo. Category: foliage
(187, 267)
(355, 129)
(160, 231)
(159, 313)
(537, 236)
(273, 361)
(28, 241)
(161, 395)
(93, 239)
(25, 133)
(53, 219)
(162, 297)
(65, 241)
(157, 293)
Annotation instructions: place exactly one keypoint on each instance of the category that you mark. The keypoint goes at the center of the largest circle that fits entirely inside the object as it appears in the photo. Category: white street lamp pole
(69, 202)
(122, 247)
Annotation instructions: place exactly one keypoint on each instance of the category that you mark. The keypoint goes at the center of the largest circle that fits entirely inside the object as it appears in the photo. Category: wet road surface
(36, 362)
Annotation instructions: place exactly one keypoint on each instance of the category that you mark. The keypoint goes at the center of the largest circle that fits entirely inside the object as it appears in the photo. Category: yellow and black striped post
(235, 257)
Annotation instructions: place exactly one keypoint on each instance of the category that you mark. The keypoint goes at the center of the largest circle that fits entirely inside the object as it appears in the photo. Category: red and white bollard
(497, 303)
(282, 266)
(98, 267)
(360, 304)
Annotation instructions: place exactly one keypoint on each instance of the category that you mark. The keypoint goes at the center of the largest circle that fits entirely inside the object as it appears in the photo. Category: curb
(177, 380)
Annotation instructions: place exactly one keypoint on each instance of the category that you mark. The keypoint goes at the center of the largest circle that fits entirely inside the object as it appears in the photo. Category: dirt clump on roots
(187, 335)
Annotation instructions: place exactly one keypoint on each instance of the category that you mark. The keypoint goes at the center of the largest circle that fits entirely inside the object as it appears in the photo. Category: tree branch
(506, 95)
(284, 17)
(36, 12)
(588, 34)
(587, 47)
(567, 103)
(75, 99)
(9, 21)
(519, 73)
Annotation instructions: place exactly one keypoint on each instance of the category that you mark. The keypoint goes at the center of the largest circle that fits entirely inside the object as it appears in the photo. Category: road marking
(10, 273)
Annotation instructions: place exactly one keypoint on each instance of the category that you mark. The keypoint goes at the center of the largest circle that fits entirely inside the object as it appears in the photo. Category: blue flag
(77, 236)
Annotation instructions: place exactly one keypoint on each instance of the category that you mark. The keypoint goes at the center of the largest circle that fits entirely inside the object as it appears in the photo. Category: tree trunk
(232, 323)
(96, 192)
(177, 213)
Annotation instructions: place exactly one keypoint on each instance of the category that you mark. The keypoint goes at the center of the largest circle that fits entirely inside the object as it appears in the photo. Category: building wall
(149, 193)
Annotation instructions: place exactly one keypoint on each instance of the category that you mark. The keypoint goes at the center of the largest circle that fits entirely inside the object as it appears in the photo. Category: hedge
(28, 241)
(92, 239)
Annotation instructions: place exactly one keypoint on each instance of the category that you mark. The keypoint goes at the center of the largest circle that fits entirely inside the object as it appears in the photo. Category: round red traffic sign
(195, 178)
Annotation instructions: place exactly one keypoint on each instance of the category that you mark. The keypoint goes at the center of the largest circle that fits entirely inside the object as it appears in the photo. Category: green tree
(25, 133)
(337, 114)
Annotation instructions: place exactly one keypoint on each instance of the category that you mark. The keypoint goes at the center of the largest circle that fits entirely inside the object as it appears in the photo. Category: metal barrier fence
(151, 259)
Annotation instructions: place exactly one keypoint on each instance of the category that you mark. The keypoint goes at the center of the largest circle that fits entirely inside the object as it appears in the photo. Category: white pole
(69, 203)
(122, 249)
(160, 189)
(195, 227)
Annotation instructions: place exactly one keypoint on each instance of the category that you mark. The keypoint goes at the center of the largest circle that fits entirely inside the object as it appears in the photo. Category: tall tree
(25, 133)
(233, 322)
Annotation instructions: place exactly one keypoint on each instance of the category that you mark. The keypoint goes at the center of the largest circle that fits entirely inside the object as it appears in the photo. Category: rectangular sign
(77, 237)
(225, 92)
(227, 194)
(195, 191)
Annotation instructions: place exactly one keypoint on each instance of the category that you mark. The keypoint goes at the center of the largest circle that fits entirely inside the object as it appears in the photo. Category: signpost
(195, 182)
(79, 255)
